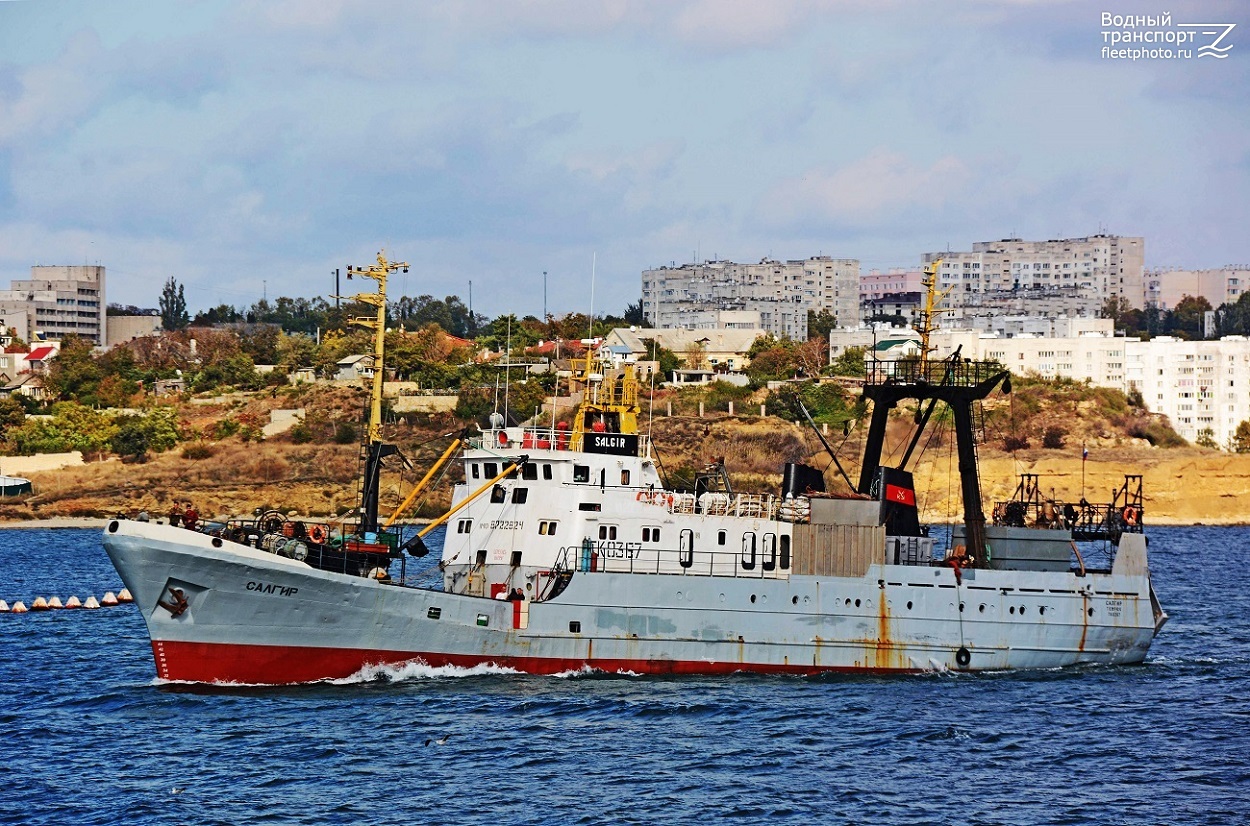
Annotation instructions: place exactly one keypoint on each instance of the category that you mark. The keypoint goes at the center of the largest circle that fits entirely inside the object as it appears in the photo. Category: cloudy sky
(250, 146)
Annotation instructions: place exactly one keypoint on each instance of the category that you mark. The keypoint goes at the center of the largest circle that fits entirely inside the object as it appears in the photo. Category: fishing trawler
(566, 550)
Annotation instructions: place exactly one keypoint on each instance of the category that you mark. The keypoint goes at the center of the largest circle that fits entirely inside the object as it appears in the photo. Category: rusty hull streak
(1084, 621)
(884, 652)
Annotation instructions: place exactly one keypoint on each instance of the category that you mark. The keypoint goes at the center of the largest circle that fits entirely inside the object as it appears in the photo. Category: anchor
(179, 604)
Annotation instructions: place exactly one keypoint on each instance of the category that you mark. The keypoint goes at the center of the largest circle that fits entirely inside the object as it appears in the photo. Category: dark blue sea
(87, 735)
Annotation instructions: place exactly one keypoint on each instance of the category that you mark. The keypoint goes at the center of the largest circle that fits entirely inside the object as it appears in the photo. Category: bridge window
(624, 477)
(465, 526)
(720, 537)
(547, 527)
(546, 471)
(748, 551)
(498, 494)
(519, 495)
(490, 470)
(529, 472)
(650, 534)
(476, 470)
(581, 473)
(607, 532)
(785, 552)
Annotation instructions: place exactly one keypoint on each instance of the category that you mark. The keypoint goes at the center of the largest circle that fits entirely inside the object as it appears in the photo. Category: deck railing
(915, 371)
(539, 438)
(772, 563)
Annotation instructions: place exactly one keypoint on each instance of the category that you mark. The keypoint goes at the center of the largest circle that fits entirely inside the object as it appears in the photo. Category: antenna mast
(930, 311)
(378, 272)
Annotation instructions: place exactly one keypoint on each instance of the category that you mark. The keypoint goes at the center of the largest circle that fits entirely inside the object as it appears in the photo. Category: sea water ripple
(88, 734)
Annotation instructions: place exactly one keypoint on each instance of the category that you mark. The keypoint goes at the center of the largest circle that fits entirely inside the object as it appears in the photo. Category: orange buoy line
(54, 603)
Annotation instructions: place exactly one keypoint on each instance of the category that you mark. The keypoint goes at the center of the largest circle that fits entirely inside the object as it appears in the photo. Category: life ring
(503, 439)
(1131, 514)
(644, 496)
(318, 534)
(963, 656)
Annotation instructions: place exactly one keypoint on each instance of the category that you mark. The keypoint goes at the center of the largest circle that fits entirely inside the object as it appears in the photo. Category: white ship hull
(256, 618)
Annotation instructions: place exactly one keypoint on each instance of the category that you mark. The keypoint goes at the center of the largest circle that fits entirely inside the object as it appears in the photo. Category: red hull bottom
(199, 662)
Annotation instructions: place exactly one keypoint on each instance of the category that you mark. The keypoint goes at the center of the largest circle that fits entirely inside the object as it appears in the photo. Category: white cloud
(48, 97)
(870, 191)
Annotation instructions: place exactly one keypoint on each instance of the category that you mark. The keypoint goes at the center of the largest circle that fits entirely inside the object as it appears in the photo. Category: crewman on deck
(175, 514)
(190, 517)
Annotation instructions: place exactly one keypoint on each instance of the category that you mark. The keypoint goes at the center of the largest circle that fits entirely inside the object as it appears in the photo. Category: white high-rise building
(1069, 275)
(780, 292)
(56, 302)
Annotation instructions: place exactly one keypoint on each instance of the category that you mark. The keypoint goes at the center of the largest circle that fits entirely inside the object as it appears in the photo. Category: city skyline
(233, 144)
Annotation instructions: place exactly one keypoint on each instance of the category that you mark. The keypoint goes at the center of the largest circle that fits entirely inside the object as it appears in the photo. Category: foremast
(374, 448)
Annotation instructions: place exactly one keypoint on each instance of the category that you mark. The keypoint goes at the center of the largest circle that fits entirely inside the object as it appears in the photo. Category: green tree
(74, 374)
(173, 305)
(820, 323)
(1188, 315)
(849, 363)
(634, 315)
(131, 439)
(12, 415)
(668, 360)
(1115, 307)
(1241, 438)
(114, 391)
(295, 350)
(1206, 438)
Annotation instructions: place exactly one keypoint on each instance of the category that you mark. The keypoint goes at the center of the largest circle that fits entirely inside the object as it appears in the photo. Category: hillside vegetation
(222, 463)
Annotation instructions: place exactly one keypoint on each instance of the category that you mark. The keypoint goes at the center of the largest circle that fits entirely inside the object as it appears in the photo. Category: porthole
(575, 627)
(1090, 612)
(434, 612)
(856, 603)
(909, 605)
(1042, 610)
(794, 600)
(1021, 610)
(752, 597)
(961, 607)
(982, 608)
(1011, 609)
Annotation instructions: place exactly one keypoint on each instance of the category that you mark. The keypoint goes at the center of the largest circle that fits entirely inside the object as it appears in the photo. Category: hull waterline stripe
(199, 662)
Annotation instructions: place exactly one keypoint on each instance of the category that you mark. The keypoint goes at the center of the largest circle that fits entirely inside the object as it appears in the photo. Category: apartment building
(877, 284)
(1069, 274)
(57, 301)
(781, 292)
(1203, 387)
(1165, 288)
